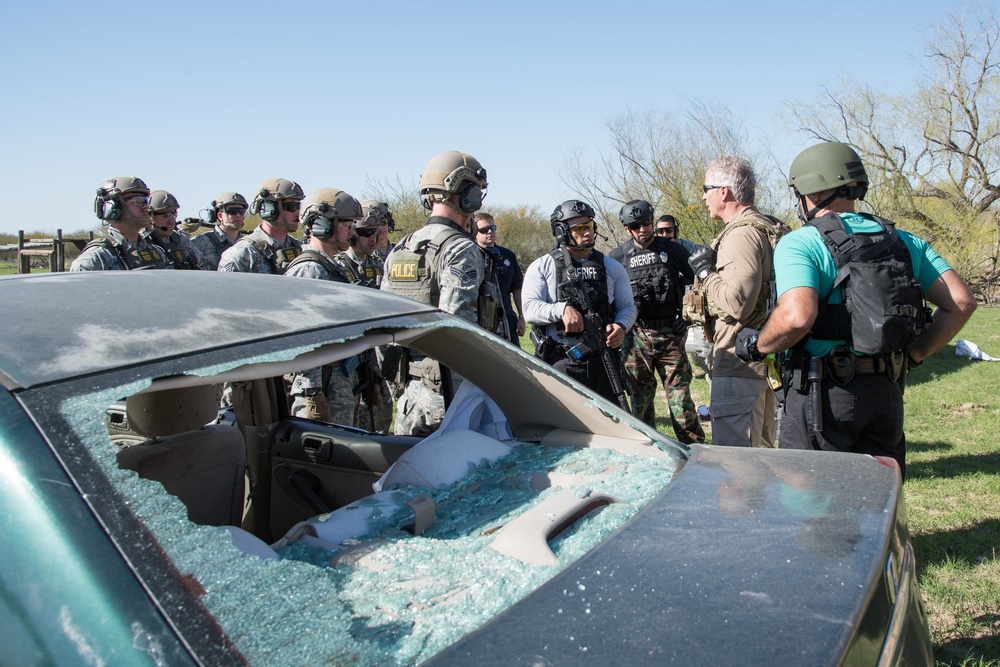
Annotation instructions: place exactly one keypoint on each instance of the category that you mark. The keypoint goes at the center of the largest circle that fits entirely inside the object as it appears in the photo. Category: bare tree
(661, 157)
(933, 153)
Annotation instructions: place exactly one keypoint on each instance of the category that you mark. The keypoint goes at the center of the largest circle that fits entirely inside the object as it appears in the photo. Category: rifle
(594, 338)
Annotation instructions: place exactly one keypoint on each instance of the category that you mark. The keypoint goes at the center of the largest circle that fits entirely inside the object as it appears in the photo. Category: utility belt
(841, 365)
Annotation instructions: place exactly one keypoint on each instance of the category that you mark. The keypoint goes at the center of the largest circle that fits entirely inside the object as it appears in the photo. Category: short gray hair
(736, 173)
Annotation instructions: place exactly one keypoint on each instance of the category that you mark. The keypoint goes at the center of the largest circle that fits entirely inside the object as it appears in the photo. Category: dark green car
(161, 504)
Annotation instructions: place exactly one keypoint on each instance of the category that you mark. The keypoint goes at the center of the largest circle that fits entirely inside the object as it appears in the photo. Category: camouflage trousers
(419, 410)
(656, 352)
(339, 394)
(377, 416)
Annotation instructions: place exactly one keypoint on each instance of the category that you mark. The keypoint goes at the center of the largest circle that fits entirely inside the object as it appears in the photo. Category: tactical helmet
(374, 214)
(453, 172)
(107, 205)
(826, 166)
(161, 201)
(324, 207)
(569, 209)
(637, 210)
(272, 191)
(227, 199)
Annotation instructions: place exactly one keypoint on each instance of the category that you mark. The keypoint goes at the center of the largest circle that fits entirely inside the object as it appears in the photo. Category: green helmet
(161, 200)
(454, 172)
(826, 166)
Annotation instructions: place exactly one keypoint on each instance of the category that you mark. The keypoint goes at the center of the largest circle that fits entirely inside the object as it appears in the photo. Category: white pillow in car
(442, 459)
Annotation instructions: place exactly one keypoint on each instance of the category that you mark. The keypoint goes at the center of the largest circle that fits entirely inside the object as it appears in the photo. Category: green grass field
(952, 492)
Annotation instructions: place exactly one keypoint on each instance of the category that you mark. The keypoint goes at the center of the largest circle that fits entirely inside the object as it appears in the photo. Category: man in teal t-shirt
(849, 358)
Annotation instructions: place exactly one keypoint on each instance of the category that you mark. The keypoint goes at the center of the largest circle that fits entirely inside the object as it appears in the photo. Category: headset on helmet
(828, 166)
(637, 210)
(107, 204)
(569, 209)
(453, 172)
(227, 199)
(323, 208)
(271, 193)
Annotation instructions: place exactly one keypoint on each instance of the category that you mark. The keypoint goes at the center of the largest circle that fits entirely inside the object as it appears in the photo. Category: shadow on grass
(969, 544)
(941, 363)
(936, 446)
(946, 467)
(975, 651)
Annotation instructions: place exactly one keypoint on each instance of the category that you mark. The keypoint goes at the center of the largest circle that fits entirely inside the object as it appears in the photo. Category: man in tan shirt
(735, 272)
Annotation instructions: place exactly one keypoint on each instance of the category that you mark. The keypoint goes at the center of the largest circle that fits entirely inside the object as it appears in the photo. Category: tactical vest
(883, 308)
(594, 278)
(700, 309)
(655, 284)
(176, 257)
(278, 258)
(367, 273)
(414, 273)
(133, 258)
(338, 272)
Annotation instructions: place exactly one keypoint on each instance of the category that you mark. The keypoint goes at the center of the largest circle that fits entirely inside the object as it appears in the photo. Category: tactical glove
(702, 262)
(679, 327)
(746, 345)
(318, 408)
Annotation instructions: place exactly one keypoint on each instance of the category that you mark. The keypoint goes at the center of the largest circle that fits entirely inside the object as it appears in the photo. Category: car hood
(760, 556)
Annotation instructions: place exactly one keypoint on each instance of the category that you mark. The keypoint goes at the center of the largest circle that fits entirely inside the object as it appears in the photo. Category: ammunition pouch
(429, 371)
(698, 309)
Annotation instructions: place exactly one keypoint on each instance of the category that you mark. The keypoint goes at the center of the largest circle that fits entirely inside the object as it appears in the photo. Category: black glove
(702, 262)
(746, 345)
(679, 327)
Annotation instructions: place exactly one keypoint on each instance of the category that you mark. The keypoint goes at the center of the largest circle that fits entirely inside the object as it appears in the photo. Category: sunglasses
(236, 210)
(136, 199)
(706, 188)
(583, 227)
(665, 231)
(164, 214)
(367, 233)
(290, 206)
(635, 226)
(486, 229)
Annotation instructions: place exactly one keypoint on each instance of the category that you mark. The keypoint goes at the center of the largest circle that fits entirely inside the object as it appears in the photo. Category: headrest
(171, 411)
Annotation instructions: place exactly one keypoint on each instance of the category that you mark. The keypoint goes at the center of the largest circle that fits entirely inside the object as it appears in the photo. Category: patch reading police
(404, 271)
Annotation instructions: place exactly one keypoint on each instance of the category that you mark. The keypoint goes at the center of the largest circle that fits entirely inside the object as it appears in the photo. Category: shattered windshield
(385, 591)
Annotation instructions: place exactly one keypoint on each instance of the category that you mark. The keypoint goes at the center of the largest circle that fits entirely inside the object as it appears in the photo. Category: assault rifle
(594, 339)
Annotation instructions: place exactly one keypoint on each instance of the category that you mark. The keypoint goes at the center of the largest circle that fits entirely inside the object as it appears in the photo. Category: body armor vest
(594, 278)
(883, 308)
(279, 258)
(176, 257)
(133, 258)
(655, 284)
(336, 269)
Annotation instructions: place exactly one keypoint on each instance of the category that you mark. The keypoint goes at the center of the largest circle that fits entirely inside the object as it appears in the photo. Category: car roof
(62, 325)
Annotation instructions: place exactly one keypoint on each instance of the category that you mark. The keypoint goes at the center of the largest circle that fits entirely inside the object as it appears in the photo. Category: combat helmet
(453, 172)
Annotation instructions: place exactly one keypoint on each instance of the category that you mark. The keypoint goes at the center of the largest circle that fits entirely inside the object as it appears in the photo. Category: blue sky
(202, 97)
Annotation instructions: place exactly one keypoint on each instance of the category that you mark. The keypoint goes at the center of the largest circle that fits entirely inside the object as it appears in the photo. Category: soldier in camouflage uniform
(657, 270)
(387, 224)
(375, 410)
(122, 203)
(270, 248)
(177, 246)
(328, 393)
(228, 210)
(440, 264)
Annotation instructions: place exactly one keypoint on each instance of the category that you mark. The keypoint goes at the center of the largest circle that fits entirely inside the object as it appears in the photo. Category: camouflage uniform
(112, 253)
(210, 247)
(178, 249)
(661, 352)
(340, 389)
(245, 257)
(455, 278)
(375, 408)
